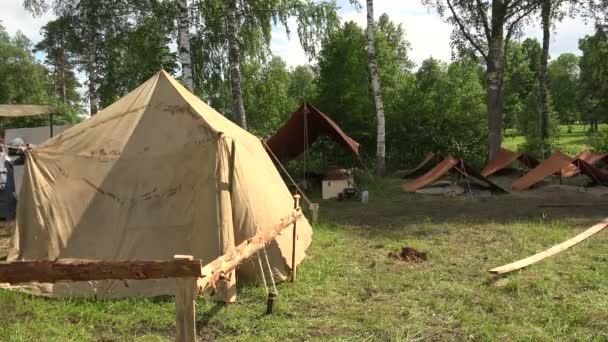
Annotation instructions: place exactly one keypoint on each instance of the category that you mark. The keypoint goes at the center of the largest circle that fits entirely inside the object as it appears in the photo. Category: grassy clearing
(348, 289)
(572, 138)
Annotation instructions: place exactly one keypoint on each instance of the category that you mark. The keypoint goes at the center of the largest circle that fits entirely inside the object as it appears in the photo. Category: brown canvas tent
(505, 157)
(587, 156)
(148, 178)
(430, 160)
(302, 129)
(449, 164)
(550, 166)
(599, 176)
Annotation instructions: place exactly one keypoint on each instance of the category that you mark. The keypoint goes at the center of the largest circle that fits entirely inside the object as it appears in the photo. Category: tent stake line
(551, 251)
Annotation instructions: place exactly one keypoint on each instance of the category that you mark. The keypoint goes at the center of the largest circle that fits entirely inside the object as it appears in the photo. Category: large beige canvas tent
(147, 178)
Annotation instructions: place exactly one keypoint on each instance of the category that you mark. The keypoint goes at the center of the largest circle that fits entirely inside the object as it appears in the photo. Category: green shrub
(599, 141)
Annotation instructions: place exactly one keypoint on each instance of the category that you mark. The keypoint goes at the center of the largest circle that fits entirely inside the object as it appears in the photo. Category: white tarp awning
(14, 111)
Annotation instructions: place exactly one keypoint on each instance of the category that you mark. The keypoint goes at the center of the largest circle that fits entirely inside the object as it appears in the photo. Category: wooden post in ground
(296, 204)
(186, 291)
(314, 209)
(225, 290)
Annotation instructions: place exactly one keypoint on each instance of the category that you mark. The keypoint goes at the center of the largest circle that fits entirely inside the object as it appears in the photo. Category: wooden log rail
(214, 270)
(66, 270)
(192, 279)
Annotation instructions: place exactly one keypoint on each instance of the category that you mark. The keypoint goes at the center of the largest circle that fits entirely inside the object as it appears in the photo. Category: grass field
(349, 289)
(572, 139)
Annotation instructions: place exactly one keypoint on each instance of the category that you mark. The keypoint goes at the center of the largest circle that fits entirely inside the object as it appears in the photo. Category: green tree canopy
(563, 85)
(594, 75)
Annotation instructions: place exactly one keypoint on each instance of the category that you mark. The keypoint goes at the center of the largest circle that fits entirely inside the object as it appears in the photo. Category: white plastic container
(364, 196)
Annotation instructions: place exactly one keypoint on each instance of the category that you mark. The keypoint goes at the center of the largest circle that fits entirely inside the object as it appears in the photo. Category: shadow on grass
(206, 331)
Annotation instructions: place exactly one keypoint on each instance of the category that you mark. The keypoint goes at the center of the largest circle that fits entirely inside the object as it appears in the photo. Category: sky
(426, 31)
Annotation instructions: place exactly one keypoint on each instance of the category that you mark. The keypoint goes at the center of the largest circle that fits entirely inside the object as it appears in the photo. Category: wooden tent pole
(232, 163)
(226, 287)
(296, 204)
(51, 124)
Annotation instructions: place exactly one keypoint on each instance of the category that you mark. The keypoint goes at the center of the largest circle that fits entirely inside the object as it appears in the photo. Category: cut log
(226, 263)
(551, 251)
(49, 271)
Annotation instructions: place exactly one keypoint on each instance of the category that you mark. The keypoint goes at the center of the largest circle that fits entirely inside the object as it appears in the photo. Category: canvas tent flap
(146, 179)
(16, 111)
(303, 128)
(431, 176)
(504, 157)
(587, 156)
(468, 172)
(554, 164)
(597, 175)
(448, 164)
(426, 162)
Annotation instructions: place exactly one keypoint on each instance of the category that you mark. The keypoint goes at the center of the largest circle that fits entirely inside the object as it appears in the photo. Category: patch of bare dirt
(410, 255)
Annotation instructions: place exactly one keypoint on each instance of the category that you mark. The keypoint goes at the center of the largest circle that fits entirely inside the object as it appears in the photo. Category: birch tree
(542, 75)
(184, 43)
(231, 30)
(234, 60)
(487, 27)
(377, 92)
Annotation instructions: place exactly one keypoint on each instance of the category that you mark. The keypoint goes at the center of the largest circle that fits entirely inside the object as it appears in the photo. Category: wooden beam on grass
(226, 263)
(49, 271)
(551, 251)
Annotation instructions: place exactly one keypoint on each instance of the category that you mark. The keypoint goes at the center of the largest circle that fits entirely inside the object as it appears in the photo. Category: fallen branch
(223, 265)
(551, 251)
(49, 271)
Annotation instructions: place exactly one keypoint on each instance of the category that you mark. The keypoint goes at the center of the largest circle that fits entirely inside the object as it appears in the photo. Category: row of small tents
(557, 163)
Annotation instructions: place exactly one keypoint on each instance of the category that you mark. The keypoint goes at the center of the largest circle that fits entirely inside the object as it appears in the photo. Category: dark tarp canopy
(505, 157)
(550, 166)
(586, 156)
(430, 161)
(302, 129)
(449, 164)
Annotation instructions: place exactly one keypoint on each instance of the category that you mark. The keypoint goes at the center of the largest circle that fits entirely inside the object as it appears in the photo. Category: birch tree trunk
(493, 79)
(184, 44)
(230, 6)
(63, 82)
(93, 78)
(377, 91)
(542, 75)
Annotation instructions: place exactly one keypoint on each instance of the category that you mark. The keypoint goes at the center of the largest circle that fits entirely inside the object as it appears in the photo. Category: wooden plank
(49, 271)
(228, 262)
(551, 251)
(225, 290)
(185, 306)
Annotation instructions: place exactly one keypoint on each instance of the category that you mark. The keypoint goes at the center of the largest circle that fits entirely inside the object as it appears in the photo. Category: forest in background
(434, 106)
